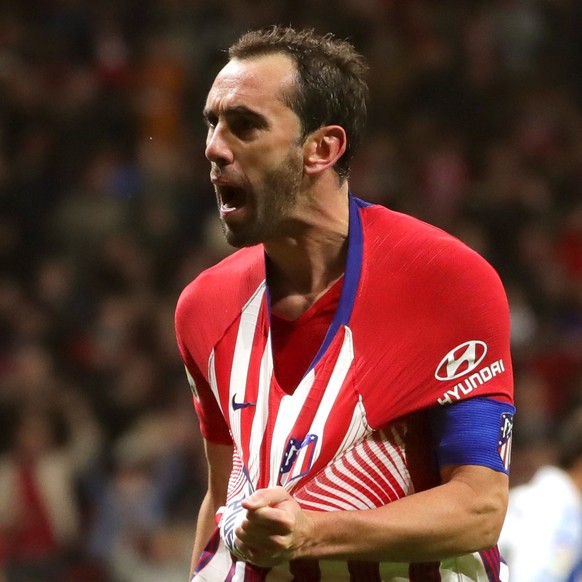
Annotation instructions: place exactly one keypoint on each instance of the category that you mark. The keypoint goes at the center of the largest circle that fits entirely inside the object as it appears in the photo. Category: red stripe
(209, 550)
(491, 560)
(352, 481)
(394, 452)
(305, 570)
(255, 573)
(424, 572)
(312, 493)
(340, 415)
(252, 382)
(364, 571)
(307, 414)
(386, 471)
(223, 358)
(364, 484)
(378, 486)
(232, 570)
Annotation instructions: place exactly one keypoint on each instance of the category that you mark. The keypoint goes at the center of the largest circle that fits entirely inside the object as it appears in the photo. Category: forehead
(253, 82)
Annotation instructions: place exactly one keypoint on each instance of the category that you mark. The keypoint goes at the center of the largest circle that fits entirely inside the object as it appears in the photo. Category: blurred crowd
(106, 213)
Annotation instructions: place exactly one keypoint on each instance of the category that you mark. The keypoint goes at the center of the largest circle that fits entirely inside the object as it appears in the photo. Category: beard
(270, 204)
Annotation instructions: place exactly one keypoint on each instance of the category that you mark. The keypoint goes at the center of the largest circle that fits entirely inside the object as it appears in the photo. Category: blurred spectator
(542, 535)
(133, 532)
(39, 508)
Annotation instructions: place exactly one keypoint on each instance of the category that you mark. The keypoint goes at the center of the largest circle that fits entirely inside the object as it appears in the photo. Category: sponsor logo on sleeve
(463, 362)
(192, 383)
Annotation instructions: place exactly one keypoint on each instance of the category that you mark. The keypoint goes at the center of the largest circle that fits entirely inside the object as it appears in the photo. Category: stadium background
(106, 213)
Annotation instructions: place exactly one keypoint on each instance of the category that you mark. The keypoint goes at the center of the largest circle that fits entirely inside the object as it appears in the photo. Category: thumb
(268, 497)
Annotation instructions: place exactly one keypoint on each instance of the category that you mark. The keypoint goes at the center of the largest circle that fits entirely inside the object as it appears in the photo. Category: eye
(243, 126)
(210, 120)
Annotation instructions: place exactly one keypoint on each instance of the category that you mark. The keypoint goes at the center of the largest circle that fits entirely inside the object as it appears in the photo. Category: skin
(290, 199)
(254, 142)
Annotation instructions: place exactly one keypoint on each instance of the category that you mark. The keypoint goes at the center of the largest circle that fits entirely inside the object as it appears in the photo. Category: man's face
(254, 147)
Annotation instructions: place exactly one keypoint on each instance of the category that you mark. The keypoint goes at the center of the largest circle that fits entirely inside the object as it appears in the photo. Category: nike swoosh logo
(238, 405)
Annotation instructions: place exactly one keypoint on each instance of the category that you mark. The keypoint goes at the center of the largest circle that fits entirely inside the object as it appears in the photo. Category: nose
(217, 148)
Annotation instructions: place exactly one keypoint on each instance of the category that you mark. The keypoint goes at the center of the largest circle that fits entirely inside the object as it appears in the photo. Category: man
(542, 535)
(349, 364)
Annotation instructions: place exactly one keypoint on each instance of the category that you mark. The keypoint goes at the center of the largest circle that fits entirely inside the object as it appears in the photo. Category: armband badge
(504, 442)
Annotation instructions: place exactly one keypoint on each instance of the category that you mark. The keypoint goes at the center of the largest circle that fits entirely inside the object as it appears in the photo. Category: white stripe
(237, 477)
(338, 375)
(391, 457)
(340, 371)
(289, 409)
(347, 501)
(261, 413)
(357, 430)
(309, 504)
(242, 356)
(345, 470)
(212, 380)
(344, 464)
(372, 467)
(239, 572)
(467, 568)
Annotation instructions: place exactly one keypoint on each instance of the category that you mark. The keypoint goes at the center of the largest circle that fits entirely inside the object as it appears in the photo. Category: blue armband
(476, 431)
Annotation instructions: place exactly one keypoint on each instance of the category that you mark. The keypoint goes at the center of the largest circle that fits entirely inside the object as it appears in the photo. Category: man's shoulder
(218, 294)
(406, 241)
(242, 268)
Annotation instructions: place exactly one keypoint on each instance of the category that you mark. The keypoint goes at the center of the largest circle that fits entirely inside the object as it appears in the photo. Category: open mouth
(231, 199)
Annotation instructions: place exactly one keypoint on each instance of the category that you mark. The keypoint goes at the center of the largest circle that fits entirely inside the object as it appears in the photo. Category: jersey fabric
(422, 323)
(542, 534)
(295, 342)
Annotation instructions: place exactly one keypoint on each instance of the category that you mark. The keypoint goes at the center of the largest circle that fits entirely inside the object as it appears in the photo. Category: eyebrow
(239, 110)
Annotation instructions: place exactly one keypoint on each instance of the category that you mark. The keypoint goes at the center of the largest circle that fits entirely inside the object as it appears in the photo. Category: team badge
(297, 458)
(504, 441)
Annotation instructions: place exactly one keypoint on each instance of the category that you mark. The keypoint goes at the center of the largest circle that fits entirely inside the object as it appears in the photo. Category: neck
(302, 267)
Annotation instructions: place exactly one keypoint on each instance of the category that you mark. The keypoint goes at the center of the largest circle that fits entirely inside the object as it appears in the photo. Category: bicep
(473, 442)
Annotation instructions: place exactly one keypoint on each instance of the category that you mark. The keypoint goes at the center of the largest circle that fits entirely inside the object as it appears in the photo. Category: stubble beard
(273, 199)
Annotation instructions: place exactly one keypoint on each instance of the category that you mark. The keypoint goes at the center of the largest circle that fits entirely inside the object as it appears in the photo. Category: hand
(275, 530)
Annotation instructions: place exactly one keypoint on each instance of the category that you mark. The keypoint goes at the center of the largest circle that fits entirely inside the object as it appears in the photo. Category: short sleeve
(213, 427)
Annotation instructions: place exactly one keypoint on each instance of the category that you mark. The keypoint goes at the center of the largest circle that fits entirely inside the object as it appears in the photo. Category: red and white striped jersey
(422, 322)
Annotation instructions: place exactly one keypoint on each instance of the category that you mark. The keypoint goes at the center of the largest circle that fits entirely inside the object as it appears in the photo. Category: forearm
(204, 528)
(219, 458)
(446, 521)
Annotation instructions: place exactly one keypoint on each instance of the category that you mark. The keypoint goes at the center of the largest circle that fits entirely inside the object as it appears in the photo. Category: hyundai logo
(461, 360)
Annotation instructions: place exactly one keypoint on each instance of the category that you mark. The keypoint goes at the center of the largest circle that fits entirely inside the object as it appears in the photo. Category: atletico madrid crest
(504, 442)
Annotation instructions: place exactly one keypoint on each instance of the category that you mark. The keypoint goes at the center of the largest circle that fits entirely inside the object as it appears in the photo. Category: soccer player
(349, 364)
(542, 534)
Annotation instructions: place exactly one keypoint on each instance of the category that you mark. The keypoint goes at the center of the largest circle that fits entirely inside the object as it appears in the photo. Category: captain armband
(476, 431)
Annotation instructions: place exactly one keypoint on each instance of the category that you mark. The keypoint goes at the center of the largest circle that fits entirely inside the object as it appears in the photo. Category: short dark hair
(569, 441)
(331, 85)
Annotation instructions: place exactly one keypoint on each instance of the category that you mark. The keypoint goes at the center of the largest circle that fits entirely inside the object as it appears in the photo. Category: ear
(323, 148)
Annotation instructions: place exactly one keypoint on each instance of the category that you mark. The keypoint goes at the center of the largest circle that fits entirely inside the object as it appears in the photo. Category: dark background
(106, 213)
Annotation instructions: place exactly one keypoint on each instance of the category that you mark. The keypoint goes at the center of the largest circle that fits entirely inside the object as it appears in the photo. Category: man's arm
(219, 461)
(463, 515)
